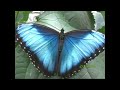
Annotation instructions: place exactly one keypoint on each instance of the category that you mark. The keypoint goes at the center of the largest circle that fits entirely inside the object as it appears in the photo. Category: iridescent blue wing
(41, 43)
(79, 47)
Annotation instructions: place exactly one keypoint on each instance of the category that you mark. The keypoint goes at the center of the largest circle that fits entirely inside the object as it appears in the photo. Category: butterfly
(62, 53)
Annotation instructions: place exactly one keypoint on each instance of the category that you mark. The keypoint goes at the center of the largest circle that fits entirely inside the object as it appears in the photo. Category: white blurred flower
(32, 16)
(99, 20)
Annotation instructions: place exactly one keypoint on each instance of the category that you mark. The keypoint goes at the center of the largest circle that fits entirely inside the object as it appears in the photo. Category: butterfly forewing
(42, 43)
(78, 47)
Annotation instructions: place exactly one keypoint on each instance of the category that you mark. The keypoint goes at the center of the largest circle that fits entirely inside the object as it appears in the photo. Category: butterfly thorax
(61, 37)
(62, 34)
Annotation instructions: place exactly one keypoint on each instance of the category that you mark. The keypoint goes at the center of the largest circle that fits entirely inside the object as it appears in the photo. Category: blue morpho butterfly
(62, 53)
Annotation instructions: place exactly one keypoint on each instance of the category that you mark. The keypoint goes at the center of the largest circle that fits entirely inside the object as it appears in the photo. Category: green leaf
(55, 20)
(21, 16)
(102, 30)
(95, 69)
(69, 20)
(78, 19)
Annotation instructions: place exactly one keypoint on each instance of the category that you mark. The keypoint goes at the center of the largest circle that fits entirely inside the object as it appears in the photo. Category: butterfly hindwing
(78, 47)
(42, 45)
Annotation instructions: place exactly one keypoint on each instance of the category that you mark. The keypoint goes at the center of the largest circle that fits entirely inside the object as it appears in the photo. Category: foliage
(69, 20)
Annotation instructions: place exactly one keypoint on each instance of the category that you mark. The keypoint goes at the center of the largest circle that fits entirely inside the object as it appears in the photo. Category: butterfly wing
(41, 43)
(78, 47)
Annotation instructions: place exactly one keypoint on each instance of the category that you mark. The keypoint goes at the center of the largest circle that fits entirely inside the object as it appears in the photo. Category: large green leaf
(69, 20)
(21, 16)
(102, 29)
(95, 69)
(78, 19)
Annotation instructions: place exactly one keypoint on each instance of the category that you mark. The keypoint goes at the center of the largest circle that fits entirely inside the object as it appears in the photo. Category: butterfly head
(62, 30)
(62, 34)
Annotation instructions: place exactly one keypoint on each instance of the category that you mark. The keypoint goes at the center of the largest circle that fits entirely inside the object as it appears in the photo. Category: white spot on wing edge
(74, 71)
(33, 61)
(94, 54)
(90, 57)
(44, 75)
(103, 47)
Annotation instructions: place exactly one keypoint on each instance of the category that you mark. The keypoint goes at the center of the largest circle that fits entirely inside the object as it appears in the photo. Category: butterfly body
(63, 53)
